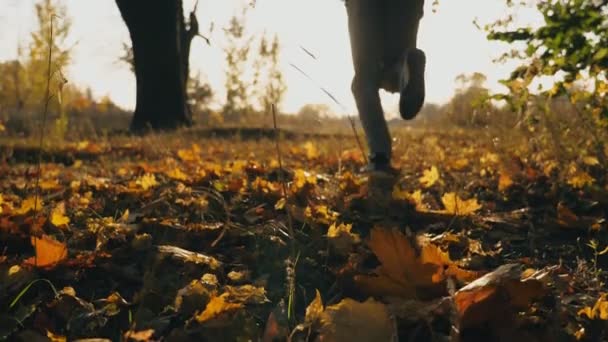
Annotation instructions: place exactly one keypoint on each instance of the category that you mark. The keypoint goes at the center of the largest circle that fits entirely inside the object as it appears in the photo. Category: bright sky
(452, 43)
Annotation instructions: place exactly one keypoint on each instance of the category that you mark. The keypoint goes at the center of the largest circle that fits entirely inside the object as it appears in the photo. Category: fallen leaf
(598, 311)
(147, 181)
(49, 184)
(49, 251)
(341, 238)
(216, 307)
(591, 161)
(353, 321)
(143, 335)
(311, 150)
(496, 296)
(429, 177)
(58, 217)
(456, 206)
(565, 216)
(192, 154)
(402, 273)
(504, 181)
(314, 310)
(578, 178)
(246, 294)
(177, 174)
(30, 204)
(55, 337)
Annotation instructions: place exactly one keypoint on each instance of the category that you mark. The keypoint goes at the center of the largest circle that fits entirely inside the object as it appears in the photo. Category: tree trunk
(157, 32)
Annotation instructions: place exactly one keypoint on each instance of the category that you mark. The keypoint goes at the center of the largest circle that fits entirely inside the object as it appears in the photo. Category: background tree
(273, 88)
(237, 52)
(161, 41)
(569, 47)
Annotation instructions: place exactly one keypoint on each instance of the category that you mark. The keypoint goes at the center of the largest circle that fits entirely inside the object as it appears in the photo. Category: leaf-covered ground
(182, 238)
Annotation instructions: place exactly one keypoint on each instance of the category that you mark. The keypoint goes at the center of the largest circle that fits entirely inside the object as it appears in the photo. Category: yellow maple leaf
(598, 311)
(301, 178)
(217, 306)
(457, 206)
(49, 184)
(414, 198)
(30, 204)
(580, 179)
(429, 177)
(58, 217)
(177, 174)
(190, 155)
(147, 181)
(311, 150)
(314, 309)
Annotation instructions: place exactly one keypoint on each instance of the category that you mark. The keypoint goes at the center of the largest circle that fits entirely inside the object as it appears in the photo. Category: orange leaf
(49, 251)
(402, 271)
(216, 307)
(144, 335)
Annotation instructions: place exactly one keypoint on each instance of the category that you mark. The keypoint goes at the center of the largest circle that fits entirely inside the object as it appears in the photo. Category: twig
(281, 176)
(47, 100)
(292, 262)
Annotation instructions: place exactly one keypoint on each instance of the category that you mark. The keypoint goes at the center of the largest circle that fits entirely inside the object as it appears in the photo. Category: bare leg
(367, 37)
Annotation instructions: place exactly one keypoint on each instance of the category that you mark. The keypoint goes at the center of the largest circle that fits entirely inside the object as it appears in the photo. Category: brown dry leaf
(216, 307)
(314, 309)
(565, 216)
(49, 251)
(353, 321)
(30, 204)
(457, 206)
(496, 295)
(58, 217)
(429, 177)
(246, 294)
(599, 309)
(143, 335)
(401, 272)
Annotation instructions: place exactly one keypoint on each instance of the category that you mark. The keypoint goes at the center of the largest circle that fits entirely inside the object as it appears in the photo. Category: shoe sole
(413, 94)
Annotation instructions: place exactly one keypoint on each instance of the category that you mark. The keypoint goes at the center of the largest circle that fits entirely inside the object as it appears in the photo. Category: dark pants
(381, 34)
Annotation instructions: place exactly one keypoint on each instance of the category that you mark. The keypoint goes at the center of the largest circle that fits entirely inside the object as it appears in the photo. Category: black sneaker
(412, 84)
(381, 179)
(379, 162)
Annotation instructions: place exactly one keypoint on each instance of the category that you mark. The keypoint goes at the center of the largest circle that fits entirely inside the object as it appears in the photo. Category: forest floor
(184, 237)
